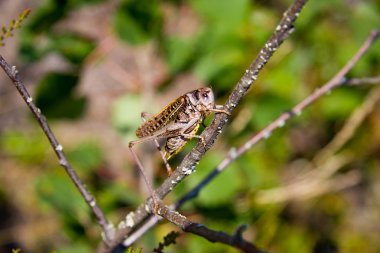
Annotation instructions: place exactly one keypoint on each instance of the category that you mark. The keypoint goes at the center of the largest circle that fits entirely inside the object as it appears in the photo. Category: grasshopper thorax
(202, 99)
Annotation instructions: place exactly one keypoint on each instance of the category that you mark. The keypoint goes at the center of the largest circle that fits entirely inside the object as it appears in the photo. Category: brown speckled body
(179, 121)
(174, 144)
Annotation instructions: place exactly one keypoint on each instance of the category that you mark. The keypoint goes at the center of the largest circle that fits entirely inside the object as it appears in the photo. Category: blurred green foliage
(55, 96)
(24, 147)
(126, 115)
(137, 21)
(227, 37)
(74, 47)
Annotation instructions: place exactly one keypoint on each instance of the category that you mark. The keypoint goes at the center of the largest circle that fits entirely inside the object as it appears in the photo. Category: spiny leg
(163, 155)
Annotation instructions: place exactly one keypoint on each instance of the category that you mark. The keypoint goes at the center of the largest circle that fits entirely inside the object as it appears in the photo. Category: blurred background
(93, 66)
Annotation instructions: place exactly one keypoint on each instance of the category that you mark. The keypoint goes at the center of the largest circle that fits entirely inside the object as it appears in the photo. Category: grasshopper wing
(162, 119)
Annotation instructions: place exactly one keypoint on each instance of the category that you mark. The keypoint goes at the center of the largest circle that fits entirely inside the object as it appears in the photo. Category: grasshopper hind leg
(156, 199)
(144, 116)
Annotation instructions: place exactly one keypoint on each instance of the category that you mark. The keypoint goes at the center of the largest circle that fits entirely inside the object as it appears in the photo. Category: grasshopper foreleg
(219, 109)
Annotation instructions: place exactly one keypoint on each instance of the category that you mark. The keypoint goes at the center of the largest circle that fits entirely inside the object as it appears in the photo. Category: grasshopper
(178, 122)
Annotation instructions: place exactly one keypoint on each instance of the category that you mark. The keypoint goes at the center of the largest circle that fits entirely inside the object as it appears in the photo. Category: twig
(366, 80)
(168, 240)
(201, 230)
(337, 81)
(90, 200)
(6, 32)
(187, 166)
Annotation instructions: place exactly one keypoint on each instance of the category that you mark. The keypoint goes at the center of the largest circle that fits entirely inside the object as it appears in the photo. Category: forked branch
(339, 80)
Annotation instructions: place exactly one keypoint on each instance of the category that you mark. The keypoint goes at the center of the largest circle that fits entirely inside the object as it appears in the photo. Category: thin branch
(188, 164)
(337, 81)
(213, 236)
(12, 73)
(364, 80)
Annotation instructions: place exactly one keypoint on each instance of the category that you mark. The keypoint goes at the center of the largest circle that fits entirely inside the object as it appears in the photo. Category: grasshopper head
(202, 99)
